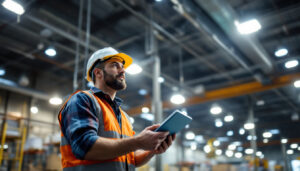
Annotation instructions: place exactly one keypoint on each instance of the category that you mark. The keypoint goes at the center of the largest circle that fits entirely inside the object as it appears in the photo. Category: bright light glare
(238, 155)
(13, 6)
(145, 110)
(249, 151)
(50, 52)
(248, 27)
(231, 147)
(131, 119)
(298, 148)
(216, 143)
(2, 72)
(215, 110)
(281, 52)
(218, 152)
(265, 140)
(229, 133)
(259, 153)
(249, 125)
(228, 118)
(242, 131)
(290, 152)
(207, 149)
(161, 79)
(143, 92)
(249, 137)
(55, 101)
(284, 141)
(291, 64)
(218, 123)
(34, 109)
(190, 136)
(294, 146)
(193, 146)
(147, 116)
(260, 103)
(177, 99)
(297, 84)
(134, 69)
(229, 153)
(267, 134)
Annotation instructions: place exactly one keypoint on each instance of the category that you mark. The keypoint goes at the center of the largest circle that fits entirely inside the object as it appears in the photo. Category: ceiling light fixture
(134, 69)
(229, 133)
(161, 79)
(218, 152)
(207, 149)
(215, 110)
(291, 64)
(249, 151)
(284, 141)
(13, 6)
(147, 116)
(229, 153)
(228, 118)
(294, 146)
(249, 125)
(297, 84)
(34, 110)
(281, 52)
(50, 52)
(55, 101)
(248, 27)
(218, 123)
(238, 155)
(290, 152)
(145, 109)
(242, 131)
(260, 103)
(267, 134)
(2, 71)
(190, 136)
(216, 143)
(177, 99)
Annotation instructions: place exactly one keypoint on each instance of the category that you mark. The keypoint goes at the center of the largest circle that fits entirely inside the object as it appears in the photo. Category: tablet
(174, 123)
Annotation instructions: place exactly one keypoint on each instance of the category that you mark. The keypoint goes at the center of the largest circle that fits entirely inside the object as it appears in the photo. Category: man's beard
(113, 82)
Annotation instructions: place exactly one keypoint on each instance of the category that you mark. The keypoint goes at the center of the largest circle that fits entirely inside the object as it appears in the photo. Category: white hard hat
(104, 54)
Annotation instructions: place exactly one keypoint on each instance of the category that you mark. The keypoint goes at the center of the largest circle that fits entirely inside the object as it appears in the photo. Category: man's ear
(98, 73)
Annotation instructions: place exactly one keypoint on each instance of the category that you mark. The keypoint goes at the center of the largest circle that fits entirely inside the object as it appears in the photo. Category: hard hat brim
(127, 62)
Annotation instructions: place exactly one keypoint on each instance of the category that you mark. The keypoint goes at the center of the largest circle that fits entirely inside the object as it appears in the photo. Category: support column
(252, 133)
(156, 100)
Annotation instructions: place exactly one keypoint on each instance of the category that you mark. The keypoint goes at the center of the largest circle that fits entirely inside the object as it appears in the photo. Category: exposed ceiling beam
(228, 92)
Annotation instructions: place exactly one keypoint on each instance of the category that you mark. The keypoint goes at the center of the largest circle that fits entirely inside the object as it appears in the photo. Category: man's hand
(165, 144)
(150, 140)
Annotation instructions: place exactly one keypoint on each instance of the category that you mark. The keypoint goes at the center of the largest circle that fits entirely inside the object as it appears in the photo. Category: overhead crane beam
(227, 92)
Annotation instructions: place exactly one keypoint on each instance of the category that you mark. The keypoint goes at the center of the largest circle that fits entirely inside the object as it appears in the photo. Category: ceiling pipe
(172, 38)
(204, 24)
(225, 16)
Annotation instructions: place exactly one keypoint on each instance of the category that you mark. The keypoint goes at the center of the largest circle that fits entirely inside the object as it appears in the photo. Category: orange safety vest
(108, 128)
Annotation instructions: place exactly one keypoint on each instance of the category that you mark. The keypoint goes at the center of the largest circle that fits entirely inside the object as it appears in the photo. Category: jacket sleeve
(80, 124)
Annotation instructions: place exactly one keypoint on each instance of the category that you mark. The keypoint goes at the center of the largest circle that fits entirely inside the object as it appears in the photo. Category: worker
(96, 133)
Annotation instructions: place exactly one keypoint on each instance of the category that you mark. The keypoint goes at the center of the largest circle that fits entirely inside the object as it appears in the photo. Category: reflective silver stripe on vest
(107, 134)
(111, 166)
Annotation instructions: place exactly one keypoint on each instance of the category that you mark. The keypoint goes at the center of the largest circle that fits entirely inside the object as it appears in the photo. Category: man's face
(114, 75)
